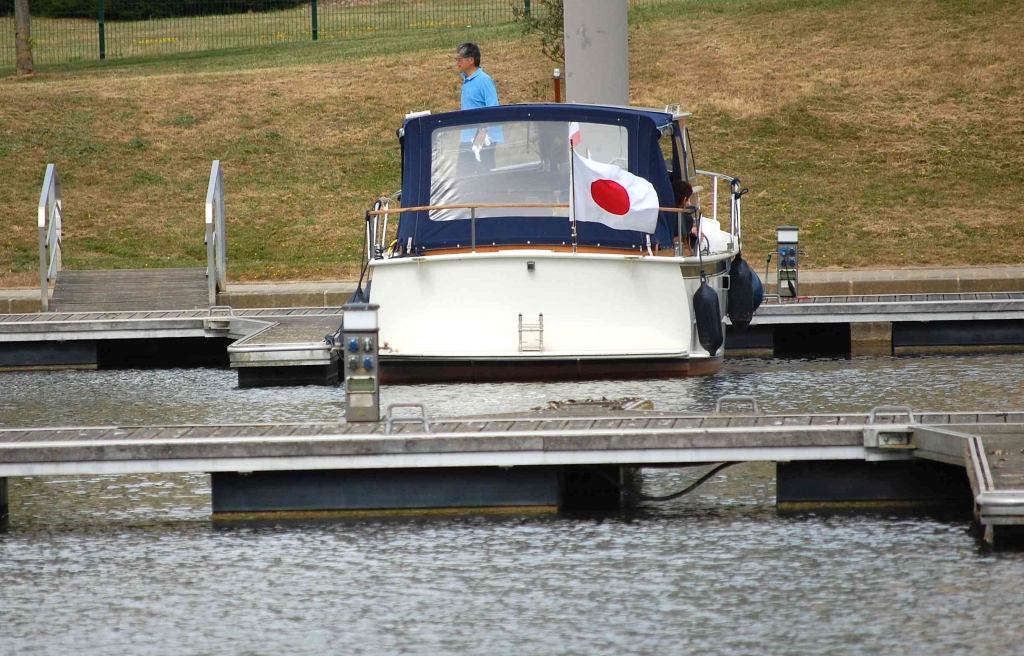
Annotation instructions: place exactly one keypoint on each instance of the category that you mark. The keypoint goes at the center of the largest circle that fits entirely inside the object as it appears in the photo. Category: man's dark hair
(682, 190)
(468, 50)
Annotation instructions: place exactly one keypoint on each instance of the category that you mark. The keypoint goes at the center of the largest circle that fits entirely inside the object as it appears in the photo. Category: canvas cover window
(513, 163)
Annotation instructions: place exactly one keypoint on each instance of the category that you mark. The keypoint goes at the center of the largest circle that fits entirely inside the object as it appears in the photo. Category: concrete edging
(852, 282)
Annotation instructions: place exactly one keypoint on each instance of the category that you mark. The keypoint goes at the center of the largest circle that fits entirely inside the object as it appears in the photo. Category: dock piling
(4, 509)
(871, 338)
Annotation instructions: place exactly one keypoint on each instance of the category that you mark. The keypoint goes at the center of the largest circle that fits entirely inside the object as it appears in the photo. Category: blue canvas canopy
(541, 175)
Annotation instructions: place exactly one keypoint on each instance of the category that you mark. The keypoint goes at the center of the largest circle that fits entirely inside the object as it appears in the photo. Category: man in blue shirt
(478, 90)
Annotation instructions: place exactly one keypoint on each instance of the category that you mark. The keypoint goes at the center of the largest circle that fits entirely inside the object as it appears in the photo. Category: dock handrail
(216, 240)
(50, 220)
(391, 419)
(891, 411)
(739, 398)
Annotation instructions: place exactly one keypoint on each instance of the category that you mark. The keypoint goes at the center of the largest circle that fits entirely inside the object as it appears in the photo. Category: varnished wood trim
(559, 248)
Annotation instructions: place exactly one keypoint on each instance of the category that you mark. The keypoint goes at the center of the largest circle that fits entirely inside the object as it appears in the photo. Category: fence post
(314, 20)
(526, 7)
(102, 24)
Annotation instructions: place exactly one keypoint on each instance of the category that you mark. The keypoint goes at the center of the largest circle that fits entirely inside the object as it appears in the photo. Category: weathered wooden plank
(825, 420)
(530, 425)
(362, 429)
(14, 436)
(130, 289)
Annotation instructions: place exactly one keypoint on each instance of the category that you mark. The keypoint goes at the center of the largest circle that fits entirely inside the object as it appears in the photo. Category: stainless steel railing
(50, 233)
(735, 220)
(378, 224)
(376, 235)
(216, 239)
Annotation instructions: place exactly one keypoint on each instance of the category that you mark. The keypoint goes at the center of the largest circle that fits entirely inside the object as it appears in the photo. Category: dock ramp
(129, 290)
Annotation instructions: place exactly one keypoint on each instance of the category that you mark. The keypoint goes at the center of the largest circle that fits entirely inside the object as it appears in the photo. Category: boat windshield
(515, 162)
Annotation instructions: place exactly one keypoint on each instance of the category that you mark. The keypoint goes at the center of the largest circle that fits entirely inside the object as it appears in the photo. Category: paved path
(845, 282)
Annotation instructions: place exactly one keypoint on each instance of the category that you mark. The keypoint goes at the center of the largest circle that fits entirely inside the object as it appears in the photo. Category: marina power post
(789, 261)
(360, 364)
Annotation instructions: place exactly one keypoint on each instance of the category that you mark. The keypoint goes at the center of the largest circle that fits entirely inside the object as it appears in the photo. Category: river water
(131, 564)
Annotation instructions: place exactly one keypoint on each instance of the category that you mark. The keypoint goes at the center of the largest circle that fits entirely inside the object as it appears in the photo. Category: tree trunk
(22, 39)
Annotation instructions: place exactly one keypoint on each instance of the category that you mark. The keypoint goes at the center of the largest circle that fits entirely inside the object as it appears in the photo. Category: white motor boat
(484, 273)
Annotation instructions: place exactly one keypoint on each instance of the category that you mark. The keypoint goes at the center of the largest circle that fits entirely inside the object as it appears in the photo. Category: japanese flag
(574, 134)
(604, 193)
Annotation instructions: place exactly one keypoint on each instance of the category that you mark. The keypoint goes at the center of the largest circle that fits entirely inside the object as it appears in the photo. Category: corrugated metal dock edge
(988, 445)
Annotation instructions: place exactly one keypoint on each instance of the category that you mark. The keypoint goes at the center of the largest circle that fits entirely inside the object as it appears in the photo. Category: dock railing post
(216, 239)
(4, 512)
(44, 287)
(49, 219)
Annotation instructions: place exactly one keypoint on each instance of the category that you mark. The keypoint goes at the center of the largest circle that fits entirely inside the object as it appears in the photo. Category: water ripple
(114, 564)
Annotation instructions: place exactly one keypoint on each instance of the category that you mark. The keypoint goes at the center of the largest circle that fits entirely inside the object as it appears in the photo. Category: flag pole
(572, 193)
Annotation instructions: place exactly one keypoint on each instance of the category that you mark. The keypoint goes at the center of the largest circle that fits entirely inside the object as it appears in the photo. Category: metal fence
(104, 29)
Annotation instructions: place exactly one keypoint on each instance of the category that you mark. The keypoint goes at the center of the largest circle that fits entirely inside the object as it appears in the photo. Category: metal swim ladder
(526, 329)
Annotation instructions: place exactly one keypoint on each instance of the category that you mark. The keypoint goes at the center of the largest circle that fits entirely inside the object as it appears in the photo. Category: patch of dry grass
(892, 134)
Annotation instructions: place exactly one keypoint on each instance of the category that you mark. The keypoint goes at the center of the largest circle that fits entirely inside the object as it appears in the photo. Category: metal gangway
(129, 290)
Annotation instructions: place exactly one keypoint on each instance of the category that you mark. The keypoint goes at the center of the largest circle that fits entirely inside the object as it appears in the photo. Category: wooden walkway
(130, 290)
(988, 445)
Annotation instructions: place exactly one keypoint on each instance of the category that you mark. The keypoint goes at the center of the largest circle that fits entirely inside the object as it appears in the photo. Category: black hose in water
(669, 497)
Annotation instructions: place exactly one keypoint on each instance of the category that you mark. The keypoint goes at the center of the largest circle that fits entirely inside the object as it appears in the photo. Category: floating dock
(287, 346)
(273, 346)
(890, 456)
(892, 324)
(159, 317)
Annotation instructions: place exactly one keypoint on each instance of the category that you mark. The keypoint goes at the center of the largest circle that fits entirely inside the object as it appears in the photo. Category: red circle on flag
(610, 196)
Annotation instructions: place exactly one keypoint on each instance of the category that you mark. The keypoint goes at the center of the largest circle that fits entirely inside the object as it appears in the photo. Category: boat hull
(539, 315)
(407, 371)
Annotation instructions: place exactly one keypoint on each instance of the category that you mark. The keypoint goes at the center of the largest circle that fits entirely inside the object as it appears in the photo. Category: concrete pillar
(871, 338)
(596, 52)
(4, 511)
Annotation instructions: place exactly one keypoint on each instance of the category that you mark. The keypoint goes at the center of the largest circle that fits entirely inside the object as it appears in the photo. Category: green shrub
(546, 18)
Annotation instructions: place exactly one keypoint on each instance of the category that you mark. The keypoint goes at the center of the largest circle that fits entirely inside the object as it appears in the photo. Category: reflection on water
(113, 564)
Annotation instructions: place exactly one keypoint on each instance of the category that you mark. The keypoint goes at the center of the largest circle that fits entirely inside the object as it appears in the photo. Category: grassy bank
(892, 133)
